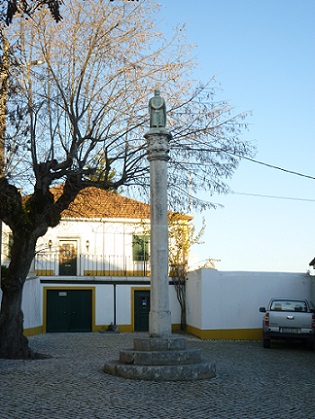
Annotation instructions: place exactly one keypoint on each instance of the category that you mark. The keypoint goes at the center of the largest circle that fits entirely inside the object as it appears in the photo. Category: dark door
(69, 311)
(68, 258)
(141, 310)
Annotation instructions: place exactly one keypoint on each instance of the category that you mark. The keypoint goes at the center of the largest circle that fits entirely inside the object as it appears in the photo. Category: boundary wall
(111, 298)
(225, 305)
(220, 304)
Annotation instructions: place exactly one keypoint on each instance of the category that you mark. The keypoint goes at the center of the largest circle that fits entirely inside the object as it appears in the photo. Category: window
(288, 305)
(140, 248)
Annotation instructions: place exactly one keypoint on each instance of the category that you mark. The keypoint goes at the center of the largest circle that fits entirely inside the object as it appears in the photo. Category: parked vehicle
(289, 319)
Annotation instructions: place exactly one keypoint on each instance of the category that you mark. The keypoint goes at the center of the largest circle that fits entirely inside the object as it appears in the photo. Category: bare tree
(10, 8)
(87, 114)
(182, 236)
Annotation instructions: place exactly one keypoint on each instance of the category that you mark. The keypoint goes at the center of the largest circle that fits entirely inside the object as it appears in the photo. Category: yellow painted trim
(94, 328)
(105, 272)
(33, 331)
(226, 334)
(45, 272)
(132, 295)
(100, 328)
(125, 328)
(176, 327)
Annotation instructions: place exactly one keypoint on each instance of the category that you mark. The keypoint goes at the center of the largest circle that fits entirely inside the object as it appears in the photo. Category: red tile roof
(97, 203)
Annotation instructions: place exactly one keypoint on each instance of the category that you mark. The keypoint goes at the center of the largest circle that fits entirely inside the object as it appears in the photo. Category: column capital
(157, 144)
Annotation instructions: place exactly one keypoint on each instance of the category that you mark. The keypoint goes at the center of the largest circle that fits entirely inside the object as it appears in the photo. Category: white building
(94, 267)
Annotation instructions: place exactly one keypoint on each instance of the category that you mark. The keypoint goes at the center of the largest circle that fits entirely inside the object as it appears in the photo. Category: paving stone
(251, 382)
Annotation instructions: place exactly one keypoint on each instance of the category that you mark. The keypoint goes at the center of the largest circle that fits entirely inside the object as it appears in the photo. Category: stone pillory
(160, 357)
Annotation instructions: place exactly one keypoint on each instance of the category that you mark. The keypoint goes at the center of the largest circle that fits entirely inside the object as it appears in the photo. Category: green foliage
(182, 235)
(140, 247)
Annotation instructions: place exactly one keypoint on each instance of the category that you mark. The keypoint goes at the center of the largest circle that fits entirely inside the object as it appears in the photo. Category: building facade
(93, 269)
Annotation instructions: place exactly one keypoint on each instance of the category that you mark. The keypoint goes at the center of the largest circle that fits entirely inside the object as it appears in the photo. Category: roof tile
(93, 202)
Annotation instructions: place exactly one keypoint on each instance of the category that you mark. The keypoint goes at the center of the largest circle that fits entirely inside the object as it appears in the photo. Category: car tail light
(313, 321)
(266, 320)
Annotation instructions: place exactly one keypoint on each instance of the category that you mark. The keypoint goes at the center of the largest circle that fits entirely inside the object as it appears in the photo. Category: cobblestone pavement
(251, 382)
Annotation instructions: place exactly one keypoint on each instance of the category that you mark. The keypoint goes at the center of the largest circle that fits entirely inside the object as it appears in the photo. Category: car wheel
(310, 344)
(266, 343)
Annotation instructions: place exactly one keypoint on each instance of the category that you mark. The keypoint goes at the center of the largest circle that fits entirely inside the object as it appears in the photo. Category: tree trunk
(183, 316)
(180, 287)
(13, 344)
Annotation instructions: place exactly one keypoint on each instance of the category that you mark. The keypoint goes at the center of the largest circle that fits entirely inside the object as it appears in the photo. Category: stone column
(160, 315)
(160, 357)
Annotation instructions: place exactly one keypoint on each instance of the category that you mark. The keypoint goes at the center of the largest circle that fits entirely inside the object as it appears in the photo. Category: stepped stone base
(161, 359)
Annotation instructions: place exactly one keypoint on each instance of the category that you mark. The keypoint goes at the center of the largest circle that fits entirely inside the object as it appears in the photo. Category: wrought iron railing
(50, 264)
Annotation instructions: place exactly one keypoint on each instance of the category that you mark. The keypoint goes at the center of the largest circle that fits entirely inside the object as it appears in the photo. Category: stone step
(161, 359)
(173, 357)
(187, 372)
(159, 344)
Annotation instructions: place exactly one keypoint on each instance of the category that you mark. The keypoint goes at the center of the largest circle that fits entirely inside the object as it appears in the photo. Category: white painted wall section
(104, 304)
(32, 303)
(231, 300)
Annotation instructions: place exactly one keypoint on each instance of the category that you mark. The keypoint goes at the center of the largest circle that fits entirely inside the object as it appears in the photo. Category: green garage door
(69, 311)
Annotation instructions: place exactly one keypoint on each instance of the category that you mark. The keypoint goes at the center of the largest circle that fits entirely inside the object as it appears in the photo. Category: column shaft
(160, 315)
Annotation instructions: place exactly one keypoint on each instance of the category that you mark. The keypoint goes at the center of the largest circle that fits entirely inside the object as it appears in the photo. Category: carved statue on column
(157, 110)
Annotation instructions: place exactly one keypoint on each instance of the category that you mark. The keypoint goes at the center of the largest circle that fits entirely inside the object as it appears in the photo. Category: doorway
(69, 310)
(141, 310)
(68, 258)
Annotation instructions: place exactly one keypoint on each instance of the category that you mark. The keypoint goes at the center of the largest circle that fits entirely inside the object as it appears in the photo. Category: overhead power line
(272, 166)
(275, 167)
(273, 196)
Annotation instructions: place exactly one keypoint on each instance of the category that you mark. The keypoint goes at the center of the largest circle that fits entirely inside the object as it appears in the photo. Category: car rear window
(288, 305)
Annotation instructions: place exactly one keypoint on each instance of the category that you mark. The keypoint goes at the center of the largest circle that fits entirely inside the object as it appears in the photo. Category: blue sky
(262, 52)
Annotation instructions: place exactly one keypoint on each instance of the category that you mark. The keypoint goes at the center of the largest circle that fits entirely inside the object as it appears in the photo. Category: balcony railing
(51, 264)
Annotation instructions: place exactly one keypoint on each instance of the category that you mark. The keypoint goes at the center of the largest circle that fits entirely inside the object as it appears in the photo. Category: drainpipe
(115, 308)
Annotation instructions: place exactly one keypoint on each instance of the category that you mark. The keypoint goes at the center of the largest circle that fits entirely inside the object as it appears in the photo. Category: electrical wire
(274, 167)
(273, 196)
(292, 172)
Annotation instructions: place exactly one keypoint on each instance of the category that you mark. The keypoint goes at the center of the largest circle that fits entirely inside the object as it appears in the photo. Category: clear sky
(263, 54)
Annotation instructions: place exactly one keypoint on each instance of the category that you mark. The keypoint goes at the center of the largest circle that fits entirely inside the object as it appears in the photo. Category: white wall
(215, 300)
(194, 299)
(104, 304)
(123, 294)
(313, 288)
(32, 303)
(112, 237)
(104, 298)
(231, 300)
(174, 306)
